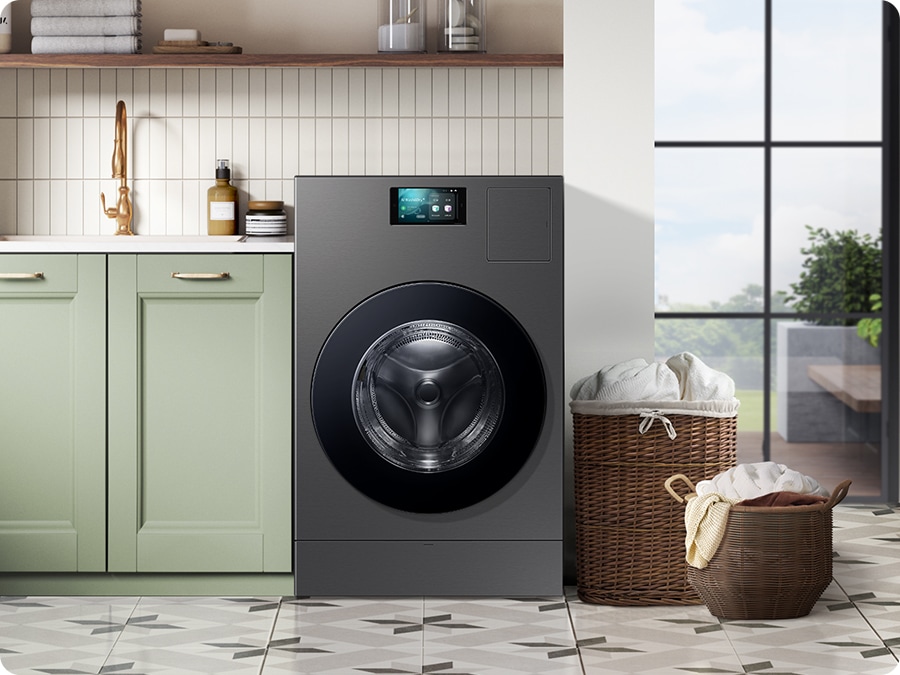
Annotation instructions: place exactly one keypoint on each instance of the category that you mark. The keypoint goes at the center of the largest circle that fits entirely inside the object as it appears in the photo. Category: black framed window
(776, 218)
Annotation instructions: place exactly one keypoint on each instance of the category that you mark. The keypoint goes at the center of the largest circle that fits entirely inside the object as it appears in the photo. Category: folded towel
(698, 381)
(784, 499)
(123, 44)
(85, 25)
(85, 7)
(633, 380)
(705, 519)
(747, 481)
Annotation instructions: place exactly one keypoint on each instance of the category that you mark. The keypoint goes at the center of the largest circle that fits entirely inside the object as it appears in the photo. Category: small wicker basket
(630, 538)
(773, 562)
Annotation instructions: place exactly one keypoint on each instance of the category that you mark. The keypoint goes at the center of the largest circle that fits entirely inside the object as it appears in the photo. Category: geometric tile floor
(853, 629)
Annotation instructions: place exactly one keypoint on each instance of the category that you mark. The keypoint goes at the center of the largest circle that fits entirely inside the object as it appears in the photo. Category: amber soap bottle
(222, 202)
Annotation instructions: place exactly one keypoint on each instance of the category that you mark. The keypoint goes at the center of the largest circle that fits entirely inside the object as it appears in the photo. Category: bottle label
(221, 210)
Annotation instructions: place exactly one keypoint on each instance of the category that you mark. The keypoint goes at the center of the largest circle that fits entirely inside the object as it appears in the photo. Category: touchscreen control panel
(428, 206)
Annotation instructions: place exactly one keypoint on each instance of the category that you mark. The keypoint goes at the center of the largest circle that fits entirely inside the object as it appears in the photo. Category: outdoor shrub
(841, 272)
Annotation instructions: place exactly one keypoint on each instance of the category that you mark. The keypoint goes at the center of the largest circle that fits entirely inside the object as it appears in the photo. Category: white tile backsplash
(22, 149)
(8, 137)
(57, 131)
(8, 101)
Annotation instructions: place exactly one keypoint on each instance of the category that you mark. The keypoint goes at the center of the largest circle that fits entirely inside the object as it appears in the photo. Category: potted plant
(841, 274)
(869, 328)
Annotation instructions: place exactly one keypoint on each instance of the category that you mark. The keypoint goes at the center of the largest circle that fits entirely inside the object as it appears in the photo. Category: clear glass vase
(461, 26)
(5, 26)
(401, 25)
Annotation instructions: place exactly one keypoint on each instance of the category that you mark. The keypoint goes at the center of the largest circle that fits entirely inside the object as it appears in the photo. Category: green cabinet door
(52, 413)
(200, 413)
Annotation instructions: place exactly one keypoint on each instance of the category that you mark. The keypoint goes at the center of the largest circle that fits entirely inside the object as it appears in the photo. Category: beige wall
(323, 26)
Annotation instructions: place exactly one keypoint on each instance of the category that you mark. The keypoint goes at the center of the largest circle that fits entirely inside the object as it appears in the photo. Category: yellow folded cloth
(705, 518)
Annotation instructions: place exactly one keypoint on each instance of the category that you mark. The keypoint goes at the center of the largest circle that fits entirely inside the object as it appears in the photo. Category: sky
(709, 86)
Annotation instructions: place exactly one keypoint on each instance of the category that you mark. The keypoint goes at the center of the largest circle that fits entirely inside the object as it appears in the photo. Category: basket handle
(838, 495)
(678, 498)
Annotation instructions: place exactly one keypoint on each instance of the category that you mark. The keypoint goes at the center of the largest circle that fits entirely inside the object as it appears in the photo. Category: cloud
(709, 205)
(709, 82)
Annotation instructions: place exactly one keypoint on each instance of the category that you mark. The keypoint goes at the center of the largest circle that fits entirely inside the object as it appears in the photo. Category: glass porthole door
(428, 397)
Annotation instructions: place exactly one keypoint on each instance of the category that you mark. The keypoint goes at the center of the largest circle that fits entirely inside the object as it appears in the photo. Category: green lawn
(750, 414)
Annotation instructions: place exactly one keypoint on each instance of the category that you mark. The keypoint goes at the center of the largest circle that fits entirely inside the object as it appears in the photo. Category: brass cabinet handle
(201, 275)
(21, 275)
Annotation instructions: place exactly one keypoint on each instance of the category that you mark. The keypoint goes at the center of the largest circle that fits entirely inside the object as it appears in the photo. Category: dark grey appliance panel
(520, 224)
(447, 568)
(347, 251)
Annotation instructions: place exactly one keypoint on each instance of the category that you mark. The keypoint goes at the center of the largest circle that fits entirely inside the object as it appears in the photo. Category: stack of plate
(266, 218)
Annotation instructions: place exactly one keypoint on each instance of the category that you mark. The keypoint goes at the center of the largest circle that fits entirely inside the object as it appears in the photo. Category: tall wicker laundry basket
(629, 534)
(773, 562)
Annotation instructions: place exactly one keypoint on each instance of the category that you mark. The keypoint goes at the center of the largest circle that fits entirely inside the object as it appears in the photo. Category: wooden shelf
(281, 60)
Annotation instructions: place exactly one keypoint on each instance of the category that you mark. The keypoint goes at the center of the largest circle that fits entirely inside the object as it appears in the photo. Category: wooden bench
(859, 387)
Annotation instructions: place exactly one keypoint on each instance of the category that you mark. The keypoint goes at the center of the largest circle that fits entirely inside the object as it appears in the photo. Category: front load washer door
(428, 397)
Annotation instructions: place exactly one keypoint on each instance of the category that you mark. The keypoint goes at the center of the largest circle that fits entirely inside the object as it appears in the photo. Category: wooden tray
(195, 49)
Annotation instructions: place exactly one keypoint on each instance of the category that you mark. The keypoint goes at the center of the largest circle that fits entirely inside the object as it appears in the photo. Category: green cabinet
(52, 413)
(200, 413)
(145, 415)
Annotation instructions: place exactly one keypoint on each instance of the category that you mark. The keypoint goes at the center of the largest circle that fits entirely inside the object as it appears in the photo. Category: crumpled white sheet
(699, 382)
(684, 377)
(746, 481)
(632, 380)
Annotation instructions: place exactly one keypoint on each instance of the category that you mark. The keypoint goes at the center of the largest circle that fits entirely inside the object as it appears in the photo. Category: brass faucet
(122, 211)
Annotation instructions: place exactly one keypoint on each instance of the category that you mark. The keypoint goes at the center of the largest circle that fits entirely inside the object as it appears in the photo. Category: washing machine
(429, 386)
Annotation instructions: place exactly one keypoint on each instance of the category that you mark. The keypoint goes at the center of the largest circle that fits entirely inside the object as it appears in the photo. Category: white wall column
(608, 159)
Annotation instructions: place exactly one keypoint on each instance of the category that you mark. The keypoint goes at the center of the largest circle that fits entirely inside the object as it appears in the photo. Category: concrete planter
(807, 413)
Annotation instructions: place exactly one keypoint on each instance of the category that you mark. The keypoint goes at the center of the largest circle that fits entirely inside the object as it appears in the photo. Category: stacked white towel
(86, 26)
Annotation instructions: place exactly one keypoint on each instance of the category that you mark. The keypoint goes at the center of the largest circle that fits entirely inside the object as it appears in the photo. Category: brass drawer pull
(21, 275)
(201, 275)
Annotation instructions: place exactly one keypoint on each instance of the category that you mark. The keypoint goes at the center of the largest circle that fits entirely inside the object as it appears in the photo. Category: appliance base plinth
(429, 568)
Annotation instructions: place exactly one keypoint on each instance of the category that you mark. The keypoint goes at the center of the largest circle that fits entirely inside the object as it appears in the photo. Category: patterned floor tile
(195, 635)
(323, 636)
(60, 634)
(867, 550)
(834, 639)
(499, 637)
(854, 628)
(651, 640)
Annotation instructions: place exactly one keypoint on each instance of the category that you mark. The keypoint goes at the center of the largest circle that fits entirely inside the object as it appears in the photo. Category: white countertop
(145, 244)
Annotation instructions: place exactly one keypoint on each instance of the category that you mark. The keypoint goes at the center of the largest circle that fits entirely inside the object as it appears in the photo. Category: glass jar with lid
(401, 25)
(461, 26)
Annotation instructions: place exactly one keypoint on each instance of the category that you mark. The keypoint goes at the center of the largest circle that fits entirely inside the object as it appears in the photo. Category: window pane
(709, 69)
(734, 347)
(828, 399)
(709, 229)
(838, 189)
(826, 70)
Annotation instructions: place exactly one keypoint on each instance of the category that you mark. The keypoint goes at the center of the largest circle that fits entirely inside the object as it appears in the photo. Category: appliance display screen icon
(427, 206)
